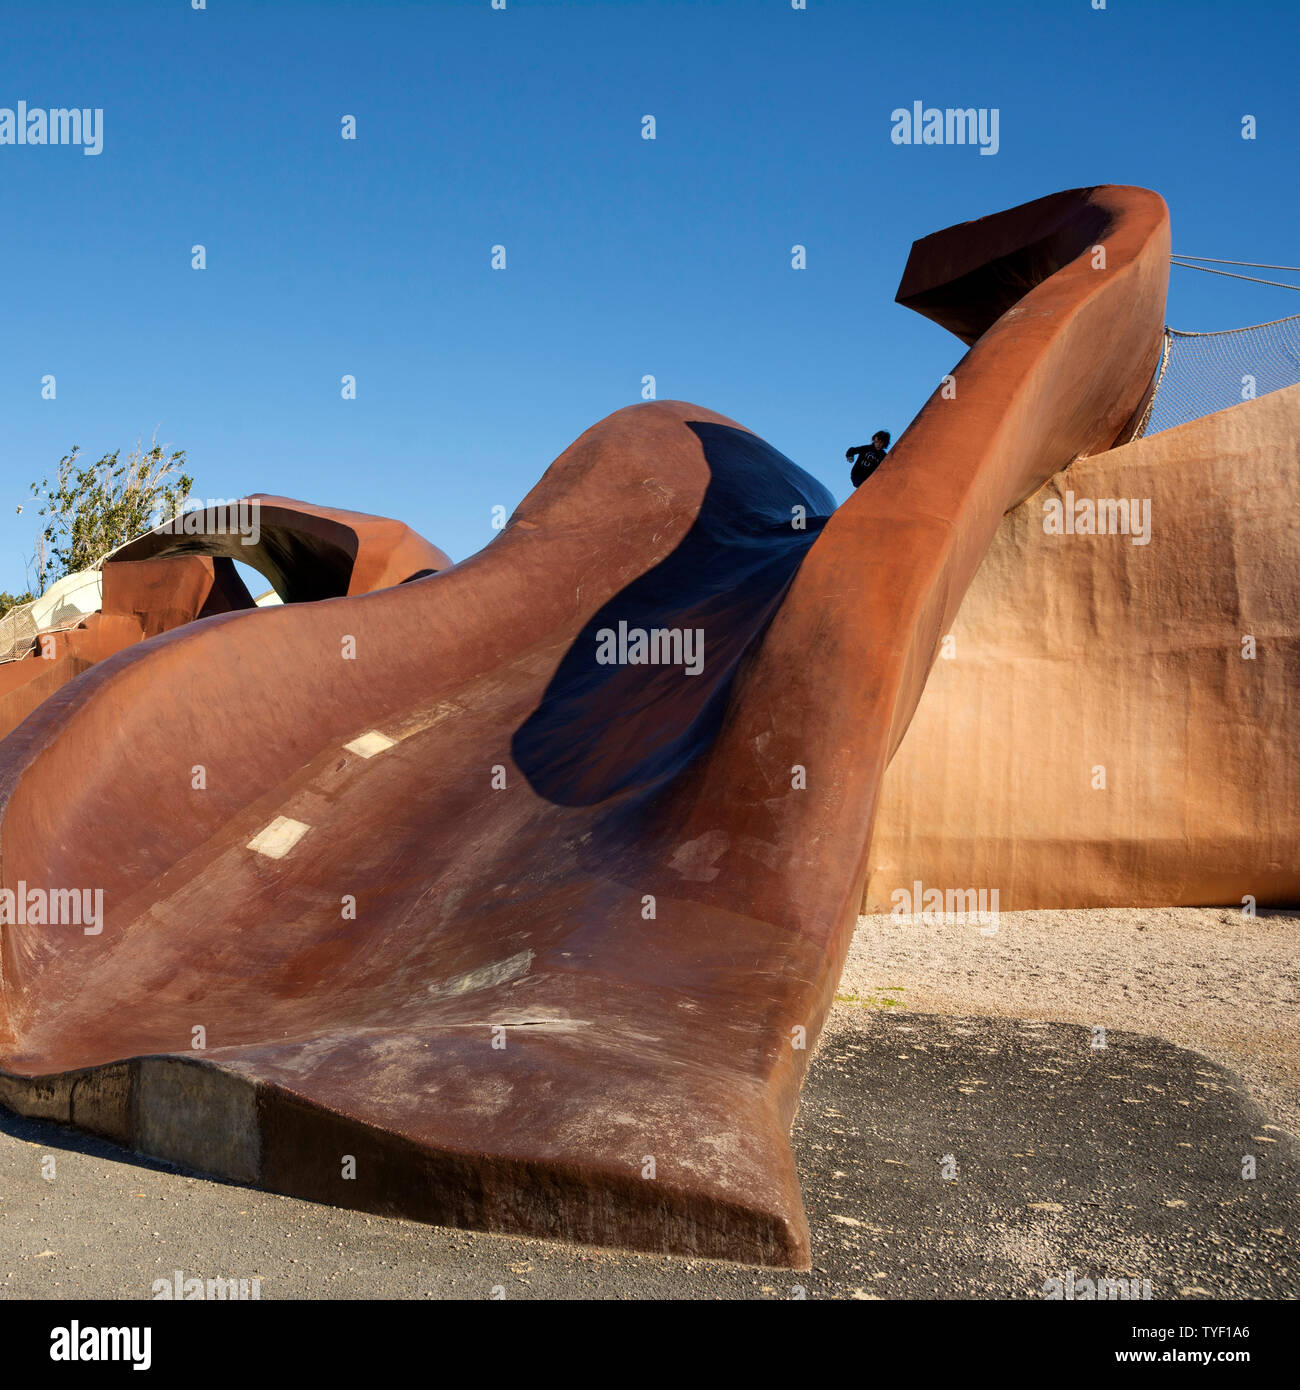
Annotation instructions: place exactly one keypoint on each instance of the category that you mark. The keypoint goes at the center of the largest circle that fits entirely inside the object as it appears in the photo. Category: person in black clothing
(867, 458)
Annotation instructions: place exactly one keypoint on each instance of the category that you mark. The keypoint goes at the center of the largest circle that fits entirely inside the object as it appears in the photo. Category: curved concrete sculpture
(539, 935)
(184, 570)
(308, 552)
(1115, 724)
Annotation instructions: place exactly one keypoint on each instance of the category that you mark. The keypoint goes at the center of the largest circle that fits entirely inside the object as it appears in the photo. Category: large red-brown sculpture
(540, 937)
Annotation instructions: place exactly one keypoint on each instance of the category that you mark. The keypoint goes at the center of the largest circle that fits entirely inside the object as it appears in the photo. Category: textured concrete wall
(1073, 652)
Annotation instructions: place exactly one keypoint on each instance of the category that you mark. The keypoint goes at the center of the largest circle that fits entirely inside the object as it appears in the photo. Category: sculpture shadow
(643, 688)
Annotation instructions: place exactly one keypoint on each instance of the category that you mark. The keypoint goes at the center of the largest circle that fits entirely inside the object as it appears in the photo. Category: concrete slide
(438, 899)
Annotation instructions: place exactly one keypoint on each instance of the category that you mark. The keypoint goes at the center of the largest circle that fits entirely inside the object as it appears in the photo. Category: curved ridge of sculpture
(184, 570)
(307, 551)
(544, 946)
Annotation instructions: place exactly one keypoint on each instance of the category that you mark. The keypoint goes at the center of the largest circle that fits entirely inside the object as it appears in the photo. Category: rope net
(1200, 373)
(17, 633)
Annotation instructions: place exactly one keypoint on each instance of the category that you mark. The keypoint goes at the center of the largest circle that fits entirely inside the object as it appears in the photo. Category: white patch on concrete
(694, 859)
(551, 1021)
(279, 837)
(484, 977)
(369, 744)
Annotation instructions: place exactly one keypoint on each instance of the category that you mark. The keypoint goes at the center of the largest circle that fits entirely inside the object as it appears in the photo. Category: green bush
(93, 508)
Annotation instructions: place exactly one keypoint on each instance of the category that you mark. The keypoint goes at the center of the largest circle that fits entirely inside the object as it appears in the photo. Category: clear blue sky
(625, 256)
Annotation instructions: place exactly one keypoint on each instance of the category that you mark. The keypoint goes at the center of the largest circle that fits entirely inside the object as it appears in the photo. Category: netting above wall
(17, 632)
(1200, 373)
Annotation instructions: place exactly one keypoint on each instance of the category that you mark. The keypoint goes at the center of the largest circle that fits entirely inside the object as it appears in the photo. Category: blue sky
(625, 257)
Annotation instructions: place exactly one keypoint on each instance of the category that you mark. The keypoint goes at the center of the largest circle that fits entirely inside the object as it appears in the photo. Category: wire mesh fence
(17, 632)
(1200, 373)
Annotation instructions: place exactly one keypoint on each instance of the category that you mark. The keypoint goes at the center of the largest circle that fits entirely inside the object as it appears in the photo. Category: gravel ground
(1205, 978)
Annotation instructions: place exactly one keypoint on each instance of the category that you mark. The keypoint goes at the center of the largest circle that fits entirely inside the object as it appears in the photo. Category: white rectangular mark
(369, 744)
(279, 837)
